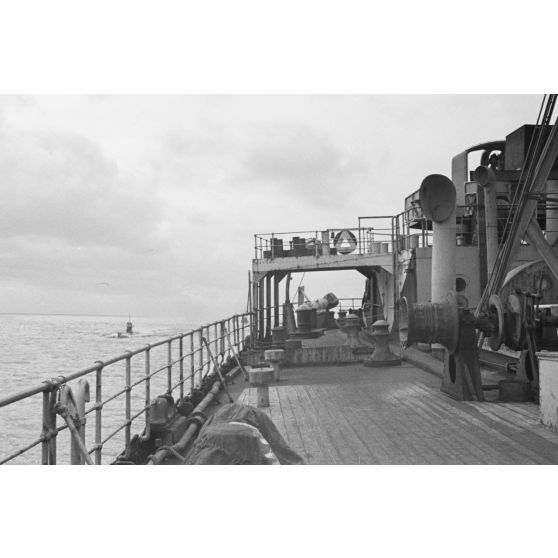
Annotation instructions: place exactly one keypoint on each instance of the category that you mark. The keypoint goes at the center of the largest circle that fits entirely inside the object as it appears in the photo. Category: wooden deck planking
(319, 446)
(457, 432)
(485, 443)
(487, 439)
(351, 429)
(328, 425)
(367, 431)
(308, 428)
(292, 429)
(323, 427)
(464, 448)
(388, 447)
(421, 434)
(349, 448)
(353, 415)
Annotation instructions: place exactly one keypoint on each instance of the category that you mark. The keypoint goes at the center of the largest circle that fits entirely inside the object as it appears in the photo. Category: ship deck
(351, 414)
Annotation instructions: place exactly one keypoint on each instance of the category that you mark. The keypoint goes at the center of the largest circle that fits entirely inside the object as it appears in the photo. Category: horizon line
(70, 314)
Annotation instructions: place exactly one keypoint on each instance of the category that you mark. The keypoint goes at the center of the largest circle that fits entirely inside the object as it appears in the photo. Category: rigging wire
(520, 198)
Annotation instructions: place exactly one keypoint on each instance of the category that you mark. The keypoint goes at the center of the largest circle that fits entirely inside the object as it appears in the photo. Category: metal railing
(173, 366)
(413, 230)
(361, 240)
(346, 304)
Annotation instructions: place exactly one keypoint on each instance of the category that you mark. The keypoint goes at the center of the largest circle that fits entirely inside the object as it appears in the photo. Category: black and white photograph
(250, 280)
(257, 234)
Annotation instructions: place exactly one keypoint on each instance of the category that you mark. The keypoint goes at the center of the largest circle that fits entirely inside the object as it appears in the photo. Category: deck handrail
(236, 326)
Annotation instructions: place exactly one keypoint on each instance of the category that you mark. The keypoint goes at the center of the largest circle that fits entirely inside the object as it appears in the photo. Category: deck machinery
(471, 261)
(516, 266)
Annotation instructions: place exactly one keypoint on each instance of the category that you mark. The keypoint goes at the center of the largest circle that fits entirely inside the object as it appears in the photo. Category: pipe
(159, 456)
(437, 198)
(487, 179)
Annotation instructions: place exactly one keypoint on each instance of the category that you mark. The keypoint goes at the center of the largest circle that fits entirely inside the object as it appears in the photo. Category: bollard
(382, 354)
(306, 324)
(275, 357)
(260, 378)
(351, 328)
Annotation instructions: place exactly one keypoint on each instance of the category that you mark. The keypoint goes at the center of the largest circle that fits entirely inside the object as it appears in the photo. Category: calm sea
(34, 348)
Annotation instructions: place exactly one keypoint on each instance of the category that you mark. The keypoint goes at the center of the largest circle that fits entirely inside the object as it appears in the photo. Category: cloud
(303, 163)
(61, 185)
(149, 204)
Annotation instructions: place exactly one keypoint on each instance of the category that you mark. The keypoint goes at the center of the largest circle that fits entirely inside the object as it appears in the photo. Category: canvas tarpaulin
(241, 435)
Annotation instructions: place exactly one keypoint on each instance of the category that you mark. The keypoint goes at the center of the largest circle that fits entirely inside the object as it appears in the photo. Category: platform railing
(177, 363)
(346, 304)
(342, 241)
(413, 230)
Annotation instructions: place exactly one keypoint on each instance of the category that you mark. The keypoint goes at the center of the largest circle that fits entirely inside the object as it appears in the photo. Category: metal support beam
(542, 172)
(261, 305)
(536, 237)
(268, 306)
(276, 280)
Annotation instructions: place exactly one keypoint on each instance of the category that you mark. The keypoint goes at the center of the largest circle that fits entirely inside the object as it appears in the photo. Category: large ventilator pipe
(552, 212)
(487, 179)
(437, 198)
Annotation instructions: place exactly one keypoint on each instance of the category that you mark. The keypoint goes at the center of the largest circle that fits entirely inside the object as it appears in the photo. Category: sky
(147, 204)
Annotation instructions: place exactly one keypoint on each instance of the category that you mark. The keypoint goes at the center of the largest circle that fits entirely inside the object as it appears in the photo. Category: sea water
(34, 348)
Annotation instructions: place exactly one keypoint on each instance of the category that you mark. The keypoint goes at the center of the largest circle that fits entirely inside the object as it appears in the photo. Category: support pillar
(487, 179)
(268, 307)
(276, 281)
(491, 216)
(261, 313)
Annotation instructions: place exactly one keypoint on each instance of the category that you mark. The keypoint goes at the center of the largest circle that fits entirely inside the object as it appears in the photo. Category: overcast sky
(148, 204)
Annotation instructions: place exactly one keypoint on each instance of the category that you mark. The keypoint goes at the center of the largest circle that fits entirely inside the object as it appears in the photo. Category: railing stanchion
(147, 389)
(53, 431)
(192, 365)
(224, 344)
(181, 365)
(128, 428)
(98, 415)
(216, 340)
(169, 368)
(49, 428)
(46, 432)
(200, 370)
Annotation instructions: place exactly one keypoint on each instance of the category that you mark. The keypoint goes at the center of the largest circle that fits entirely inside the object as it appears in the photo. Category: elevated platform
(323, 263)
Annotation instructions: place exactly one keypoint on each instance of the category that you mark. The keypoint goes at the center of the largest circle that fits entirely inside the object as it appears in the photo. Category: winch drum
(429, 323)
